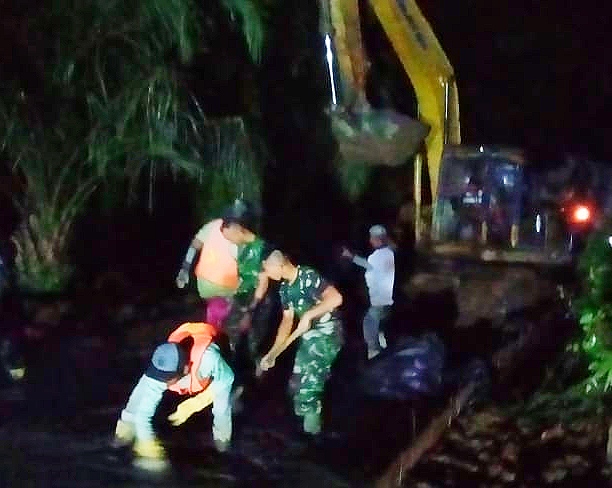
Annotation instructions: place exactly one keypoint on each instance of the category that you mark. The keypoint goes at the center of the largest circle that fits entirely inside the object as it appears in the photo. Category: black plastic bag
(412, 368)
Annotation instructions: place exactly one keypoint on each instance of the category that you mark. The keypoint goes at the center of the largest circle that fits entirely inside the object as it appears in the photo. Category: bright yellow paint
(431, 76)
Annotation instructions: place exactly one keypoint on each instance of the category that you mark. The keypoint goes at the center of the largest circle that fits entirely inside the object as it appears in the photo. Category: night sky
(531, 73)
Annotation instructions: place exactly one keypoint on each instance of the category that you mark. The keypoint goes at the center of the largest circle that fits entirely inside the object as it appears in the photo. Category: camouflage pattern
(245, 346)
(250, 257)
(313, 362)
(304, 293)
(318, 347)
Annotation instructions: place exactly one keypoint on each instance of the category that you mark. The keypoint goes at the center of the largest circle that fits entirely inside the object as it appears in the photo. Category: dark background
(532, 74)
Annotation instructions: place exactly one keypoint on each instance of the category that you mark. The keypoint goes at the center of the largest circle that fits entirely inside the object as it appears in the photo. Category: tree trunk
(395, 473)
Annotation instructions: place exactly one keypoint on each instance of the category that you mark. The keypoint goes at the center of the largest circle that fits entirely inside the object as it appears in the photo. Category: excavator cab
(479, 195)
(488, 206)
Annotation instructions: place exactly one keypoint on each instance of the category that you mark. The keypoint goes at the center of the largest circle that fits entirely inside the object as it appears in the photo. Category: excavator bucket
(377, 137)
(365, 135)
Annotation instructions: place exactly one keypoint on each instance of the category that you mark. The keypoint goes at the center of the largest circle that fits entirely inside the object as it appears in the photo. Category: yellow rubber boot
(124, 434)
(150, 455)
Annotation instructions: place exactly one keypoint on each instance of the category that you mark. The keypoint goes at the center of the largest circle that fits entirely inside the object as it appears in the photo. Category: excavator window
(478, 199)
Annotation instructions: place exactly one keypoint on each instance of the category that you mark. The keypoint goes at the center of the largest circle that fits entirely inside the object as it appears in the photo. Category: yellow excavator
(482, 201)
(492, 268)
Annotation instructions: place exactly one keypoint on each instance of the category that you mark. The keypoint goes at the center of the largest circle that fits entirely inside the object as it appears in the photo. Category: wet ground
(56, 427)
(493, 448)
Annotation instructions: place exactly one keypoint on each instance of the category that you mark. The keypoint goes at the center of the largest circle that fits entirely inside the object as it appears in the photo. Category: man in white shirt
(379, 276)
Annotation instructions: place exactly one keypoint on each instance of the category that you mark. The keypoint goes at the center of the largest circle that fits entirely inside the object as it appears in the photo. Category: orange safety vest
(202, 334)
(216, 263)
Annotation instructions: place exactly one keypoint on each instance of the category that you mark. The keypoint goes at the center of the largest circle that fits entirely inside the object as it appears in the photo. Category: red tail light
(581, 214)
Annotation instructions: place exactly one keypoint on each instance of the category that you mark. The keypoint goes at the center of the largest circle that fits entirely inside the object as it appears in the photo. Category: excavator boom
(432, 78)
(387, 137)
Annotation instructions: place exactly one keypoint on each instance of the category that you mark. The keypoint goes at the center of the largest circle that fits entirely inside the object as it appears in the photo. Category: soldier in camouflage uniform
(247, 320)
(238, 227)
(307, 296)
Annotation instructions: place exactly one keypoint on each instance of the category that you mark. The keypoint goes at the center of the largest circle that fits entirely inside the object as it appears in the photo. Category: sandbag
(412, 368)
(418, 368)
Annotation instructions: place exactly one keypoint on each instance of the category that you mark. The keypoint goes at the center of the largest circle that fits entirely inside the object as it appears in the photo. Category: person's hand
(267, 362)
(188, 407)
(182, 278)
(346, 253)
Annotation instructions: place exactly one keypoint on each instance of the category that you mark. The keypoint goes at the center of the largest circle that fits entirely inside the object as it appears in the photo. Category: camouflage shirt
(250, 257)
(304, 293)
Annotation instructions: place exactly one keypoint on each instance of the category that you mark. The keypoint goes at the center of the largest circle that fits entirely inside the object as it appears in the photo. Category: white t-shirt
(379, 275)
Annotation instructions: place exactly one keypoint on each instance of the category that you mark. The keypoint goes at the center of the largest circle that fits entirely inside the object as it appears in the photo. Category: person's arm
(358, 260)
(196, 244)
(214, 366)
(182, 278)
(330, 300)
(141, 406)
(192, 251)
(284, 331)
(263, 284)
(361, 262)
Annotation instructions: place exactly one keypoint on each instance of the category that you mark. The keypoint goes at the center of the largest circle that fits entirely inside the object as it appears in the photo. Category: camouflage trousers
(313, 362)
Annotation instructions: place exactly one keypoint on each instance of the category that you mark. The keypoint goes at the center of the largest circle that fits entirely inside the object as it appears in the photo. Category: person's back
(216, 269)
(380, 278)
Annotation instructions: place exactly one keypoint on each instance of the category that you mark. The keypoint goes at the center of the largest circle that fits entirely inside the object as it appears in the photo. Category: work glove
(190, 406)
(149, 449)
(182, 278)
(124, 433)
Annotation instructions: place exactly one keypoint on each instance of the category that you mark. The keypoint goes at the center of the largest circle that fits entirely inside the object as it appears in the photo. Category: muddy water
(55, 429)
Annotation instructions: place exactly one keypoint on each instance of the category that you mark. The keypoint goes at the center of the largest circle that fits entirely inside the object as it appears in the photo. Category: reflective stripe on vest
(202, 334)
(216, 263)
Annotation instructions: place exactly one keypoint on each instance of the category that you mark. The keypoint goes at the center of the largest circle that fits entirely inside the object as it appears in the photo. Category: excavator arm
(423, 60)
(432, 78)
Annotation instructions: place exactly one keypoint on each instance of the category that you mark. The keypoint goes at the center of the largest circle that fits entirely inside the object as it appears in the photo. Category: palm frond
(252, 16)
(120, 114)
(174, 19)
